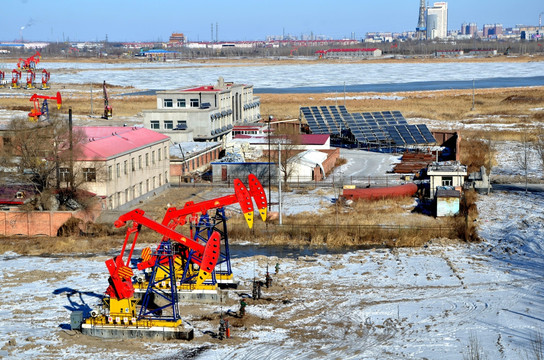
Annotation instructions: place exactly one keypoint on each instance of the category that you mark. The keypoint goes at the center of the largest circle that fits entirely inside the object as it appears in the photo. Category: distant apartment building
(203, 113)
(437, 21)
(492, 30)
(469, 29)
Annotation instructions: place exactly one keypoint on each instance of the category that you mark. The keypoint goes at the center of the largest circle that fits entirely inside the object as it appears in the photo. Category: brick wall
(39, 222)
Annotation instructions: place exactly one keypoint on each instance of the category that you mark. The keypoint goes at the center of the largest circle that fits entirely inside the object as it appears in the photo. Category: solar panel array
(379, 127)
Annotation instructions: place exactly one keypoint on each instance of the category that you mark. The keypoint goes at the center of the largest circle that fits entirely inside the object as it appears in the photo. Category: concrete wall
(447, 206)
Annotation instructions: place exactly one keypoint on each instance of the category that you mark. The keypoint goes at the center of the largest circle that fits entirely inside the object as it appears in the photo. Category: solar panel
(426, 133)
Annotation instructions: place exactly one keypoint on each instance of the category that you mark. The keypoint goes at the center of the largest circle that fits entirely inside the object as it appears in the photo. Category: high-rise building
(491, 30)
(437, 21)
(469, 29)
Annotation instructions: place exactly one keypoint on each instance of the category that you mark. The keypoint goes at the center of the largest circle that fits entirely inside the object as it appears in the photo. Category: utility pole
(70, 134)
(472, 95)
(269, 159)
(279, 181)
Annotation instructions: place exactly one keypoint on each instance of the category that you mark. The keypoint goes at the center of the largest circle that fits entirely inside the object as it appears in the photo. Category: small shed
(307, 166)
(447, 201)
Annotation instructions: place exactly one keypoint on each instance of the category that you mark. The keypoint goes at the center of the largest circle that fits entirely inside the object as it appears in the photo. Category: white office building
(204, 113)
(437, 21)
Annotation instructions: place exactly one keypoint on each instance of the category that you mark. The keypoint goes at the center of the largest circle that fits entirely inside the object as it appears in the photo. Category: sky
(155, 20)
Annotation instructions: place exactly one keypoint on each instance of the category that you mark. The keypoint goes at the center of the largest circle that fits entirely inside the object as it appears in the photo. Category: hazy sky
(150, 20)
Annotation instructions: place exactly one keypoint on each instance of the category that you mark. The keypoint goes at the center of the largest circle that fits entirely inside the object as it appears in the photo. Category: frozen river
(317, 77)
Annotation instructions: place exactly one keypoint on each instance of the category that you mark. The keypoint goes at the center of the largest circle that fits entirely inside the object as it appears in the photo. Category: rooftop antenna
(421, 28)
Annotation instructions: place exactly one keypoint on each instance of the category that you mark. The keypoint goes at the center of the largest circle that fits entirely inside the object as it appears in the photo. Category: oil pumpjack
(177, 261)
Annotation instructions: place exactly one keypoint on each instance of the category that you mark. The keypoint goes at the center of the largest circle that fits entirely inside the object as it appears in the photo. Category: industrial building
(348, 53)
(203, 113)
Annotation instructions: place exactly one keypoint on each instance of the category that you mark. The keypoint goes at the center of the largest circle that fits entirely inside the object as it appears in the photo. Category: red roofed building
(348, 53)
(122, 165)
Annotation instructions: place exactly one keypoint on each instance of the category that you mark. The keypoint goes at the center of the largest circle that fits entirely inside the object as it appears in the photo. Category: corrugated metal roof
(447, 193)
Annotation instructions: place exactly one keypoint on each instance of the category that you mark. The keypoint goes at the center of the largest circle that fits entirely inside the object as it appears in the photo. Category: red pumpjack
(38, 111)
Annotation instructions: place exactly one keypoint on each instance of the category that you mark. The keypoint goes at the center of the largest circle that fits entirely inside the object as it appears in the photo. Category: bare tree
(524, 158)
(539, 146)
(36, 153)
(290, 141)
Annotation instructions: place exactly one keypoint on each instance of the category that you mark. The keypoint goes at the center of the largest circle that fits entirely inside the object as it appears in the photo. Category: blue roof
(158, 51)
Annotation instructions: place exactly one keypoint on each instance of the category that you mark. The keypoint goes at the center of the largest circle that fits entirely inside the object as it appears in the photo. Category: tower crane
(38, 111)
(107, 108)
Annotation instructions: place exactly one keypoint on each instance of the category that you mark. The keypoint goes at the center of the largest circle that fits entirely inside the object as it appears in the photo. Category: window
(110, 202)
(168, 103)
(159, 155)
(447, 180)
(165, 153)
(147, 185)
(133, 164)
(166, 177)
(118, 169)
(64, 174)
(126, 196)
(146, 160)
(141, 188)
(126, 167)
(168, 124)
(154, 181)
(140, 162)
(155, 124)
(181, 103)
(110, 172)
(160, 179)
(194, 102)
(153, 157)
(181, 125)
(89, 174)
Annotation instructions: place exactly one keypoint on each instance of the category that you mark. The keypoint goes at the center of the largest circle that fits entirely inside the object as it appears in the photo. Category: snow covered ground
(431, 302)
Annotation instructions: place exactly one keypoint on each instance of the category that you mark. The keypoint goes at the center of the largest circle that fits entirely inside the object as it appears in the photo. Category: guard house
(446, 174)
(204, 113)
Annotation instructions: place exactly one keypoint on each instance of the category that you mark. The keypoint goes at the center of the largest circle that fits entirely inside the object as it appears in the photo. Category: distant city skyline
(139, 20)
